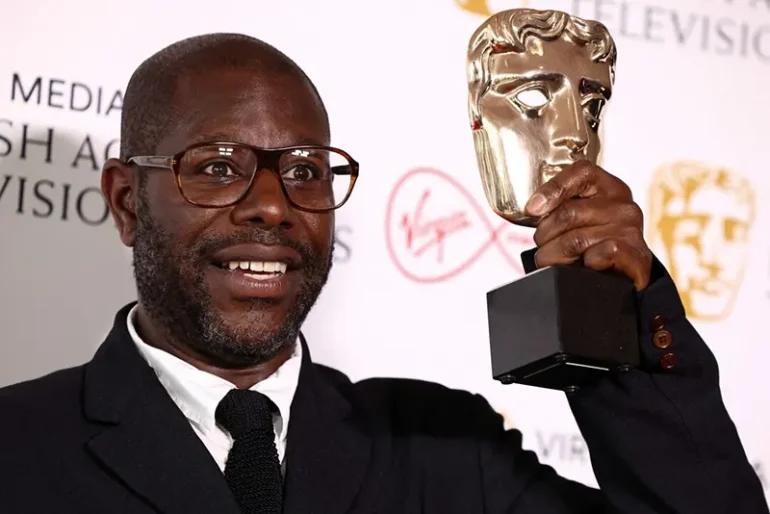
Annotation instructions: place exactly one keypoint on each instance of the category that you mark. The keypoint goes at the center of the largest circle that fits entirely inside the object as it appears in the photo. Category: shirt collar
(197, 393)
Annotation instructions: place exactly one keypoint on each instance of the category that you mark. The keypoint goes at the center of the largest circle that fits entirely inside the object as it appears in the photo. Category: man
(204, 397)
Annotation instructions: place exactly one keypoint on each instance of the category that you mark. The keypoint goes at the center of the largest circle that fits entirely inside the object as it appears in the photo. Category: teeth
(259, 276)
(257, 267)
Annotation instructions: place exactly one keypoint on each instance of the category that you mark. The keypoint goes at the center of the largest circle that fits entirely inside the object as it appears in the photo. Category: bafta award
(538, 82)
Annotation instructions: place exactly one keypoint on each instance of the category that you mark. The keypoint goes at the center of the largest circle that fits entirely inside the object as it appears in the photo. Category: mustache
(273, 237)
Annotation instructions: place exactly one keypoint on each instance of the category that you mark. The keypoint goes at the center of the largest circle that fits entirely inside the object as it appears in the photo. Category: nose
(265, 203)
(710, 245)
(570, 130)
(713, 269)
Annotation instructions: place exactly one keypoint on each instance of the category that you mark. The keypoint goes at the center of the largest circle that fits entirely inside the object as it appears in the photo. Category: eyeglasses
(313, 178)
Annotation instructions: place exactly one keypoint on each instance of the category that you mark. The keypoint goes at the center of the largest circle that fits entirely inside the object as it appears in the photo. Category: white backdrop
(691, 93)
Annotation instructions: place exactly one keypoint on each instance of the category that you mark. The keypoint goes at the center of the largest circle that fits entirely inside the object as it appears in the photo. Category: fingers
(571, 246)
(602, 247)
(586, 212)
(623, 257)
(583, 180)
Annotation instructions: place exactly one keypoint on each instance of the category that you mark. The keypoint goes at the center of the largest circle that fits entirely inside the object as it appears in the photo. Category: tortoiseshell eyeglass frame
(270, 157)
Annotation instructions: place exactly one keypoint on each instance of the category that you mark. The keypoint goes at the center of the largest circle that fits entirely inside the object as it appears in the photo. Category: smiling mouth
(257, 270)
(251, 271)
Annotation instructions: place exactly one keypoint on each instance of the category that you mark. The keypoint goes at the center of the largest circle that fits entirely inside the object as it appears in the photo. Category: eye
(218, 169)
(533, 98)
(593, 108)
(734, 230)
(300, 173)
(687, 231)
(530, 99)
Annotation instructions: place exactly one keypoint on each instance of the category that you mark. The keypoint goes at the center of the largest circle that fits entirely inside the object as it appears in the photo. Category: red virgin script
(435, 229)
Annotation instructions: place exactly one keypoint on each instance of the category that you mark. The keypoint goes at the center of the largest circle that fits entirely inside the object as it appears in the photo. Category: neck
(242, 376)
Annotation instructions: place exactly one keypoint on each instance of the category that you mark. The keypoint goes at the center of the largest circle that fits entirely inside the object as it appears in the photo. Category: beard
(171, 285)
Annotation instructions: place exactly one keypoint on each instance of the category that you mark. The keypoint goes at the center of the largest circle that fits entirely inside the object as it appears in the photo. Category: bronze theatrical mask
(538, 83)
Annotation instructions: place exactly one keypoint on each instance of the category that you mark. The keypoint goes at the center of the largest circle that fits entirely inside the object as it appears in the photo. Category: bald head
(149, 107)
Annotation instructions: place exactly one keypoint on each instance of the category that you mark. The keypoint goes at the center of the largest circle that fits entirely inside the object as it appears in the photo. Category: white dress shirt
(198, 393)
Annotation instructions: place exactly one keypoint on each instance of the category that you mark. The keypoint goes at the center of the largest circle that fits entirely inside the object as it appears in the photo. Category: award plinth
(562, 327)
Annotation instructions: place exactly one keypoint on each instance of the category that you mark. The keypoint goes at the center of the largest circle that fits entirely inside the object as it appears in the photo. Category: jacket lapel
(327, 447)
(148, 443)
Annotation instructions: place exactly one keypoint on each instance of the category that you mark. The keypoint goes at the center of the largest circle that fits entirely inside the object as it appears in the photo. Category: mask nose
(574, 145)
(571, 131)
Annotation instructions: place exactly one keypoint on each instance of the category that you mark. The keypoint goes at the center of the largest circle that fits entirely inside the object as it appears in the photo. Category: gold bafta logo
(482, 6)
(699, 222)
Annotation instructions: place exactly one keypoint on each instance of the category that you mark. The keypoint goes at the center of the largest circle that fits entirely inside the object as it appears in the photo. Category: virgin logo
(435, 229)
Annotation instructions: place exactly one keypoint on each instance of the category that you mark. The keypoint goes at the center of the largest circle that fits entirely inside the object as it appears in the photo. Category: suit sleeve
(660, 438)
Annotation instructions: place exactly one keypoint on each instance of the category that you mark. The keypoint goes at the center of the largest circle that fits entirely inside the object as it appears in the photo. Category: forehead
(259, 108)
(560, 57)
(712, 202)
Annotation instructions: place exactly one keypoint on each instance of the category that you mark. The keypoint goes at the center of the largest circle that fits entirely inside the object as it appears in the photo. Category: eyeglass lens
(314, 178)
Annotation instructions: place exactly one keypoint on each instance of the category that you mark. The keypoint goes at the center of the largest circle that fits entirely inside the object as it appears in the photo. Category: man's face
(541, 114)
(182, 253)
(707, 242)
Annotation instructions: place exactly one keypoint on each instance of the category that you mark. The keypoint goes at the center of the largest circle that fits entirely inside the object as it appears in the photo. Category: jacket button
(668, 361)
(658, 323)
(662, 339)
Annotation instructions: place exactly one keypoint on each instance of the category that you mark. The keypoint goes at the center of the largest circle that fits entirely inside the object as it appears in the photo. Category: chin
(249, 338)
(254, 318)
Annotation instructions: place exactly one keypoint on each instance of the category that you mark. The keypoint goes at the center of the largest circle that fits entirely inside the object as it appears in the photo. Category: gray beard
(171, 288)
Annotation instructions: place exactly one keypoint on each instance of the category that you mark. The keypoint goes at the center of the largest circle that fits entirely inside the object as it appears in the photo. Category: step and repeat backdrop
(418, 247)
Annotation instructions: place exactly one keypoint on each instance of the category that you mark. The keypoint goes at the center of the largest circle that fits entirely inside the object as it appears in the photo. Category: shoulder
(46, 398)
(417, 406)
(56, 384)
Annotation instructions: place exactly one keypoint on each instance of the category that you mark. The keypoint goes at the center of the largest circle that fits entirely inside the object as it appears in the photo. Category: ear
(120, 188)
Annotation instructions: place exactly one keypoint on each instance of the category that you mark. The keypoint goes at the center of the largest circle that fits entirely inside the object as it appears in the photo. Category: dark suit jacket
(106, 438)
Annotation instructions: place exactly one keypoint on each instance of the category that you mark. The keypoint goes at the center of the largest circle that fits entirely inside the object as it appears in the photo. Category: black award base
(562, 327)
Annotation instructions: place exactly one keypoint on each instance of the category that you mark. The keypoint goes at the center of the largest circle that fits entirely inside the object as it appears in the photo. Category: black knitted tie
(252, 471)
